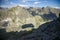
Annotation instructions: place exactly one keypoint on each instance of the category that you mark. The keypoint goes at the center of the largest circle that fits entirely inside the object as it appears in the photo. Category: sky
(30, 3)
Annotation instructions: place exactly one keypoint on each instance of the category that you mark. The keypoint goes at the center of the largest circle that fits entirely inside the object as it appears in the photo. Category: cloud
(29, 0)
(23, 5)
(15, 4)
(12, 3)
(57, 7)
(37, 2)
(24, 0)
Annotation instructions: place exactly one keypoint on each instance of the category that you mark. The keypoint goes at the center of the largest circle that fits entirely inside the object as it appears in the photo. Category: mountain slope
(48, 13)
(46, 31)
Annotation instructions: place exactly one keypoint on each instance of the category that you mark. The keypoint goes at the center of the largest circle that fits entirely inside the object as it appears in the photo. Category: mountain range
(18, 16)
(46, 31)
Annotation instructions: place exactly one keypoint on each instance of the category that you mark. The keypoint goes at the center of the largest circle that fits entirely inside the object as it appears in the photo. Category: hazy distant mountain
(47, 13)
(44, 10)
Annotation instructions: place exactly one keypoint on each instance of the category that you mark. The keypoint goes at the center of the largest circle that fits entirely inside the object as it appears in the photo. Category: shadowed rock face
(5, 24)
(59, 18)
(50, 16)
